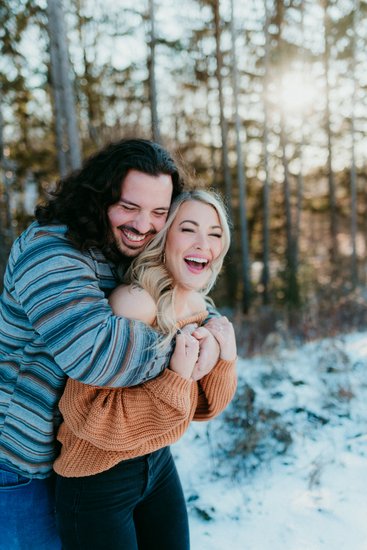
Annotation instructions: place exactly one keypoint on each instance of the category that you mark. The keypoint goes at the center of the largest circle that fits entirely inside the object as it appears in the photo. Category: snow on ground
(312, 496)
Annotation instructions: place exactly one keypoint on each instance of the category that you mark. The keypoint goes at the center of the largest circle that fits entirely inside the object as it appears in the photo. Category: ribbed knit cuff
(224, 365)
(197, 318)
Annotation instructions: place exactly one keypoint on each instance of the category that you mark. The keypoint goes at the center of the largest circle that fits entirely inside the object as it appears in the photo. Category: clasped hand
(198, 348)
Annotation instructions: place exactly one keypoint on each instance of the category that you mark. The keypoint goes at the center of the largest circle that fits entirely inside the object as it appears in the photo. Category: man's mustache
(133, 230)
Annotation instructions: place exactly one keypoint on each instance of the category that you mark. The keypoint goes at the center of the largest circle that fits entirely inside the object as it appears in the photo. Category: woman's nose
(201, 242)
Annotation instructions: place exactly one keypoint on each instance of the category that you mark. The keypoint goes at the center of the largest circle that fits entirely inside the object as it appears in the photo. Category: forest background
(263, 100)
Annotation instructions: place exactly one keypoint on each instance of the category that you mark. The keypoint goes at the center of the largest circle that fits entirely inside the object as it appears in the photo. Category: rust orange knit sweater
(103, 426)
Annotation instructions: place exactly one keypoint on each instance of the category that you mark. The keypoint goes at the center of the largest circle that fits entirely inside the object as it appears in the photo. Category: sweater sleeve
(59, 292)
(125, 418)
(216, 390)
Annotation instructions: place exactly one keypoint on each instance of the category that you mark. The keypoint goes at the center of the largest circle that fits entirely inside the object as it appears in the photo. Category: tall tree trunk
(92, 96)
(223, 121)
(214, 169)
(299, 203)
(353, 171)
(231, 271)
(213, 160)
(330, 173)
(66, 119)
(265, 276)
(152, 76)
(292, 291)
(291, 269)
(6, 222)
(61, 147)
(241, 175)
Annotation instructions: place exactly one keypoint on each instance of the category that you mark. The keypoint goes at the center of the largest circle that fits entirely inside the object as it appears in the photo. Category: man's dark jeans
(27, 512)
(138, 504)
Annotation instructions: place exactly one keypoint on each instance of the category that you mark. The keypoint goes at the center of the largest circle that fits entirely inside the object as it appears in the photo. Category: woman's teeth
(196, 262)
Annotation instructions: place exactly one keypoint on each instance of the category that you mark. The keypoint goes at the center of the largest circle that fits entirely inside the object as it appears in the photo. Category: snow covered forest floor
(285, 467)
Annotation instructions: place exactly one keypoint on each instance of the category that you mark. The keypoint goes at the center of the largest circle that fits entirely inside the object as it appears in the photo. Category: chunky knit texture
(103, 426)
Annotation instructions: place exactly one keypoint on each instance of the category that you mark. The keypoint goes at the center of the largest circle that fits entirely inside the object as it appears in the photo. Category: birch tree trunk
(241, 175)
(67, 133)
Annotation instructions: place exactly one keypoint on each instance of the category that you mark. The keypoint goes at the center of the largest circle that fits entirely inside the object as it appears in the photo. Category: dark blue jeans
(27, 512)
(138, 504)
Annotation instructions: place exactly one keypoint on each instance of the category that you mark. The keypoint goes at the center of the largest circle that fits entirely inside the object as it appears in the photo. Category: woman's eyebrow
(189, 221)
(197, 225)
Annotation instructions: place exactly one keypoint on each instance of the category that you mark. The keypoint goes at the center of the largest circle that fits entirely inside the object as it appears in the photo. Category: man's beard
(135, 248)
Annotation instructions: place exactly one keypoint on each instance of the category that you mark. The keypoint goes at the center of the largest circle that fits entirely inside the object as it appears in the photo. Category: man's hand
(208, 353)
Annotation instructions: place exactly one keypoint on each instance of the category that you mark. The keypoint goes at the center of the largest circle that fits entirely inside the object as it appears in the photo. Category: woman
(117, 485)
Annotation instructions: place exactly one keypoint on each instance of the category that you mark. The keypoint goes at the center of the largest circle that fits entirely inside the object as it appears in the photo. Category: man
(55, 320)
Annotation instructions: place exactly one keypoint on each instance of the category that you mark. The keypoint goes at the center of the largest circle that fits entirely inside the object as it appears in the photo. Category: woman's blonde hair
(148, 270)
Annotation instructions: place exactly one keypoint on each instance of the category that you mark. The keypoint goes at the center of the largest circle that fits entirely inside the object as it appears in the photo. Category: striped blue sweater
(55, 321)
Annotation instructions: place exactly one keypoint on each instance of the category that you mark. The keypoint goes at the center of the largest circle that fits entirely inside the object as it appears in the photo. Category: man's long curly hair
(81, 199)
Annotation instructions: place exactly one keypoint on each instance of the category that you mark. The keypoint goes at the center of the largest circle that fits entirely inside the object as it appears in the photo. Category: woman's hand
(185, 354)
(208, 353)
(223, 331)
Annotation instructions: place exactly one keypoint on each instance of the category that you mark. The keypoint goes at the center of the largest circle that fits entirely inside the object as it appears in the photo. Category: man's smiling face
(141, 211)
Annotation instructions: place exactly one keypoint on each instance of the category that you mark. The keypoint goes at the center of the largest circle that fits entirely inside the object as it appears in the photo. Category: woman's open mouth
(196, 264)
